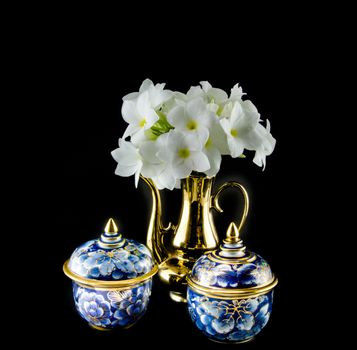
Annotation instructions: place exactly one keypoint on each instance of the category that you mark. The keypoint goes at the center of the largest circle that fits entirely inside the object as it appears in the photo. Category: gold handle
(230, 184)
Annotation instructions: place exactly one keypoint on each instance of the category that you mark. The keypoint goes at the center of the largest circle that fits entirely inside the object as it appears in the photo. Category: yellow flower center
(142, 122)
(184, 152)
(234, 132)
(110, 254)
(191, 125)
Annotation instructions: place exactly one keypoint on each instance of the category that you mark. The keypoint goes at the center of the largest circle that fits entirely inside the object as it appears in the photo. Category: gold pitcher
(177, 247)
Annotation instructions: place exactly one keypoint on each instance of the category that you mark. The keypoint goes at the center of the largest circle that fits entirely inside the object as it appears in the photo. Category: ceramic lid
(232, 268)
(110, 258)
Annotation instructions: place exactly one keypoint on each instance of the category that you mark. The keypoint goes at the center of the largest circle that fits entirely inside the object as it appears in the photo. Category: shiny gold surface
(228, 294)
(232, 234)
(243, 260)
(99, 328)
(195, 232)
(96, 284)
(176, 248)
(156, 231)
(232, 184)
(111, 227)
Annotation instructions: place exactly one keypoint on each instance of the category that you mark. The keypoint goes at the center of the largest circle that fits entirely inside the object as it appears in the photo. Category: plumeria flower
(267, 145)
(172, 134)
(140, 116)
(215, 147)
(129, 160)
(239, 128)
(193, 118)
(214, 95)
(236, 93)
(157, 94)
(184, 153)
(141, 109)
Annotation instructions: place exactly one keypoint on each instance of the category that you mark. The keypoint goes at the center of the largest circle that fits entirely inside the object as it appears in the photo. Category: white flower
(157, 94)
(128, 159)
(192, 118)
(160, 171)
(172, 134)
(266, 146)
(214, 95)
(184, 153)
(239, 128)
(215, 147)
(139, 115)
(236, 93)
(139, 109)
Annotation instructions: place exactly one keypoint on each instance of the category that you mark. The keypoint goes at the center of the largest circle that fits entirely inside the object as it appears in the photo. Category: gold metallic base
(178, 297)
(99, 328)
(173, 272)
(235, 342)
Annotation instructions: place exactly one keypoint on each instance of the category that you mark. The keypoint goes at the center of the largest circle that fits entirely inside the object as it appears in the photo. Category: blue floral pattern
(209, 273)
(129, 261)
(229, 320)
(112, 308)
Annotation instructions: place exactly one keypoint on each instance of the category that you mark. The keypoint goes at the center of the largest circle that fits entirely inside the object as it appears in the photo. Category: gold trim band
(227, 294)
(96, 284)
(243, 260)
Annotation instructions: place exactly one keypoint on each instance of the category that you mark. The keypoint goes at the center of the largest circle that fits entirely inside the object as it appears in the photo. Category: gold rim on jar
(232, 293)
(98, 284)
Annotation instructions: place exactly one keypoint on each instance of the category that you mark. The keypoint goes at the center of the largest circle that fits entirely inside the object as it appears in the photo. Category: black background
(84, 72)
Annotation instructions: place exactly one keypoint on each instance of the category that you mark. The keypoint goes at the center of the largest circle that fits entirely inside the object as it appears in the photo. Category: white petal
(178, 118)
(130, 130)
(194, 92)
(131, 96)
(166, 179)
(235, 146)
(145, 85)
(218, 95)
(205, 85)
(196, 108)
(200, 161)
(129, 112)
(138, 137)
(126, 170)
(182, 169)
(237, 112)
(219, 138)
(203, 135)
(143, 103)
(137, 177)
(236, 92)
(215, 159)
(226, 125)
(158, 96)
(259, 158)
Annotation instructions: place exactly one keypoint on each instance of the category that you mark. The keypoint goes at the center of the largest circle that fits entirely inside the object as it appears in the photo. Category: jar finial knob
(111, 227)
(232, 235)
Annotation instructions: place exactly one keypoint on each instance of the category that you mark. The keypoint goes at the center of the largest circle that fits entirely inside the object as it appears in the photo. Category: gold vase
(177, 247)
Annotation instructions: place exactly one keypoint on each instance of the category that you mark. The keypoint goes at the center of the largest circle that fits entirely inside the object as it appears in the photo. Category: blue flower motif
(94, 308)
(130, 261)
(229, 320)
(224, 275)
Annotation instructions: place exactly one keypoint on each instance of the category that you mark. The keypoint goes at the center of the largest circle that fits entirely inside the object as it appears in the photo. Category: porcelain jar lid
(110, 261)
(231, 271)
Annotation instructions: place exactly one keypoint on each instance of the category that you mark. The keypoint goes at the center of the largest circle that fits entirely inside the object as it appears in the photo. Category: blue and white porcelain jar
(112, 279)
(230, 291)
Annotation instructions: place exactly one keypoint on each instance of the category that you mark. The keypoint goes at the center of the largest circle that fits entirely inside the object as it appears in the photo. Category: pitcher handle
(230, 184)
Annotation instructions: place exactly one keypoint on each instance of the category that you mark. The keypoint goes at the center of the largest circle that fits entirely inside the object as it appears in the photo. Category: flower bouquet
(171, 134)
